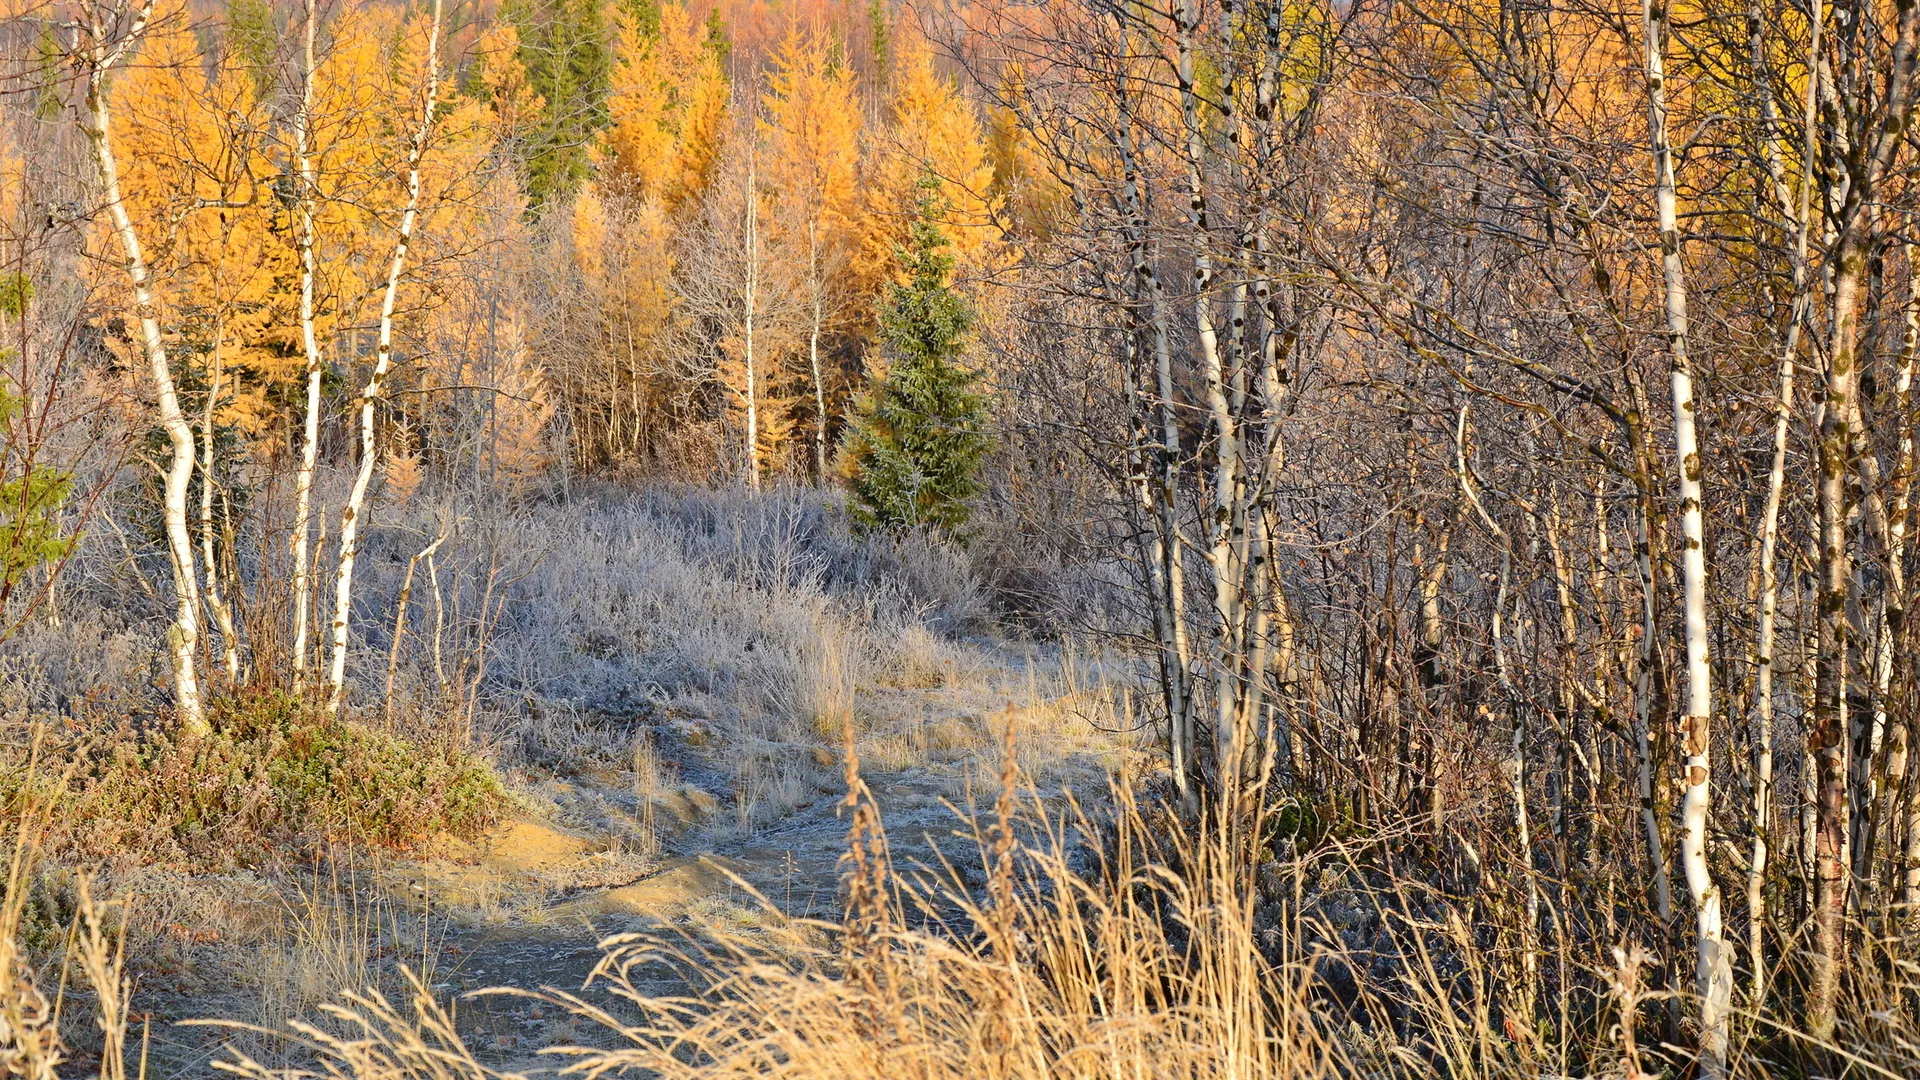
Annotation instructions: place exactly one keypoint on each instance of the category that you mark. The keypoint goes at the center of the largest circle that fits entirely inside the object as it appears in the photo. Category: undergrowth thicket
(276, 775)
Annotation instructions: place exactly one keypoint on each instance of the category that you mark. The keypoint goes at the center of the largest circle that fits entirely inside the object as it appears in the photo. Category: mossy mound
(277, 775)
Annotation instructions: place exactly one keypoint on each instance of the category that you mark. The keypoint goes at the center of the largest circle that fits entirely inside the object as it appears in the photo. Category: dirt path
(721, 840)
(791, 866)
(711, 874)
(546, 888)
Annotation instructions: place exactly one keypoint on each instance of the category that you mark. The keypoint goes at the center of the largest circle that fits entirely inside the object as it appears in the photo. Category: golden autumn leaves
(741, 225)
(201, 121)
(206, 160)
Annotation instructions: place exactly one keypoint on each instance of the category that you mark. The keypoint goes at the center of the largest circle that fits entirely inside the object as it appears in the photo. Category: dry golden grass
(367, 1037)
(32, 1046)
(649, 784)
(1127, 950)
(339, 925)
(1128, 946)
(1124, 971)
(1092, 988)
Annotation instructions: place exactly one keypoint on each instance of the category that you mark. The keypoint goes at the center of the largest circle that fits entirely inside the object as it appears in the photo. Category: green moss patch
(276, 775)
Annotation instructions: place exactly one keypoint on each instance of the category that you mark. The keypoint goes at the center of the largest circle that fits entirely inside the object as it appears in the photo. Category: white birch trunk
(1899, 812)
(1763, 650)
(100, 55)
(1172, 541)
(400, 614)
(1583, 781)
(376, 384)
(1715, 970)
(310, 343)
(1893, 610)
(751, 299)
(1860, 177)
(818, 285)
(1768, 575)
(1168, 540)
(1873, 768)
(1516, 763)
(1829, 742)
(216, 604)
(1225, 554)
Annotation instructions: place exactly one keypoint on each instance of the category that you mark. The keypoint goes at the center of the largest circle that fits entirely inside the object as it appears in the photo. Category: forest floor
(597, 845)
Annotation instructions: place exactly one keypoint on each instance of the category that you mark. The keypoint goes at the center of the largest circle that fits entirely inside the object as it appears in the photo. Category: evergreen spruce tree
(565, 49)
(31, 493)
(251, 35)
(913, 451)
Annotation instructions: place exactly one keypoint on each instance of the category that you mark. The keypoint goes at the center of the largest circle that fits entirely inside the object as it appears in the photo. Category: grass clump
(276, 774)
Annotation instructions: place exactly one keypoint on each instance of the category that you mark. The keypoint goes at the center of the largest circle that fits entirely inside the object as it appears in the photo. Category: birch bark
(1860, 178)
(1516, 763)
(1177, 657)
(750, 297)
(1800, 217)
(1892, 670)
(1715, 967)
(217, 607)
(375, 388)
(100, 50)
(1225, 534)
(310, 345)
(816, 287)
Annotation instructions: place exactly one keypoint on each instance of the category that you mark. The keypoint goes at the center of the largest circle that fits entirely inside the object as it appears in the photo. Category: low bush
(276, 775)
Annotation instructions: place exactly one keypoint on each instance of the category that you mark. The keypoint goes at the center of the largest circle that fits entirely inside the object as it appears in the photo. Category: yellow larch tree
(644, 114)
(667, 110)
(1033, 200)
(198, 182)
(811, 127)
(13, 190)
(623, 252)
(503, 82)
(753, 343)
(478, 380)
(740, 292)
(668, 116)
(931, 130)
(483, 392)
(354, 148)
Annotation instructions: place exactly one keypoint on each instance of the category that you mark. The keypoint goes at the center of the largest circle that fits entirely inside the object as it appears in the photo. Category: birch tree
(1875, 124)
(303, 211)
(1797, 203)
(739, 286)
(751, 373)
(813, 123)
(105, 32)
(1715, 972)
(373, 392)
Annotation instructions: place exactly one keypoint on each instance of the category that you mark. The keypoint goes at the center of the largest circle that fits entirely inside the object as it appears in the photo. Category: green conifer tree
(915, 442)
(718, 43)
(31, 492)
(251, 35)
(564, 46)
(880, 33)
(645, 15)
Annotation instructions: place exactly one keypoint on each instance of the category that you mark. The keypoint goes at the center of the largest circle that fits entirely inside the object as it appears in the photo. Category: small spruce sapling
(31, 493)
(913, 450)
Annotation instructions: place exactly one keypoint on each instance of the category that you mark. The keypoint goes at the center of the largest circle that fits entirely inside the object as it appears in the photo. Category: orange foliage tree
(812, 129)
